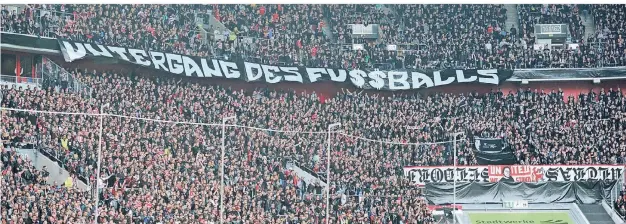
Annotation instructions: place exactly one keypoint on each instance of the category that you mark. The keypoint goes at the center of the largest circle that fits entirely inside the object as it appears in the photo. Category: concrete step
(588, 21)
(213, 25)
(512, 16)
(596, 214)
(327, 30)
(305, 174)
(57, 173)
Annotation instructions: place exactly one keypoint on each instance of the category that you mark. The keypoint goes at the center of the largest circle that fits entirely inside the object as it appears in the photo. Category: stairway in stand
(512, 17)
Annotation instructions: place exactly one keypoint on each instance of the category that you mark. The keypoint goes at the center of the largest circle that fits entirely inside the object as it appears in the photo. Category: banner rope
(399, 143)
(227, 125)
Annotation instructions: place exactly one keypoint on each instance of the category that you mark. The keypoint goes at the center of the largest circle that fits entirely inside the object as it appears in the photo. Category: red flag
(18, 67)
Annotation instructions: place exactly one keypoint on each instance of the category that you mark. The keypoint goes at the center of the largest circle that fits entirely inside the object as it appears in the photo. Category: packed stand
(531, 14)
(169, 146)
(427, 36)
(584, 56)
(152, 162)
(341, 17)
(610, 33)
(276, 34)
(155, 171)
(169, 28)
(471, 36)
(620, 203)
(28, 198)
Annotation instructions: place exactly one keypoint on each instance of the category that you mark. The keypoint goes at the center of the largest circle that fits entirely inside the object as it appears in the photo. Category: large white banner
(529, 173)
(513, 173)
(444, 174)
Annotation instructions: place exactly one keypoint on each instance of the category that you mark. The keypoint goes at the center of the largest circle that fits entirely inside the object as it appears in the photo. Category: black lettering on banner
(565, 174)
(474, 174)
(252, 72)
(604, 173)
(436, 175)
(617, 173)
(448, 175)
(423, 175)
(579, 173)
(583, 173)
(552, 174)
(484, 175)
(591, 173)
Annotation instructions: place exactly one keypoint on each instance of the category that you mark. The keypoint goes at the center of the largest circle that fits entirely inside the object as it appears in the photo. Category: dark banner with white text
(254, 72)
(489, 145)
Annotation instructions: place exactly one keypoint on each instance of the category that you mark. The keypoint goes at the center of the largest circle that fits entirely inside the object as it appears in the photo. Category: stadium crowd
(170, 171)
(166, 171)
(426, 36)
(610, 33)
(620, 204)
(27, 198)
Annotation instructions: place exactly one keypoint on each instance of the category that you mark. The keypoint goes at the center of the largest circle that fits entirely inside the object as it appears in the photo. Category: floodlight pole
(328, 148)
(454, 176)
(222, 166)
(97, 211)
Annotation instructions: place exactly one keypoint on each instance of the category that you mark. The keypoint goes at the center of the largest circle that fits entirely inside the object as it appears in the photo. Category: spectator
(281, 34)
(169, 172)
(140, 156)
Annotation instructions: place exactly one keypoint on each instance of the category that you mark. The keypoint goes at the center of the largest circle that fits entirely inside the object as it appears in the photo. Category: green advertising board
(521, 218)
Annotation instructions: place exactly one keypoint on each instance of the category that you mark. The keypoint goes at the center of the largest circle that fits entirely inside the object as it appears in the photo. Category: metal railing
(7, 79)
(54, 76)
(49, 21)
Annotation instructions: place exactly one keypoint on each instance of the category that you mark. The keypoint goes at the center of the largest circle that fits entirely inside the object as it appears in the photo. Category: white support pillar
(328, 149)
(454, 176)
(222, 166)
(100, 140)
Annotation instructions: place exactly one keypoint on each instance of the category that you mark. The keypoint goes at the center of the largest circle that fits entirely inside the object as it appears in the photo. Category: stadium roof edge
(29, 49)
